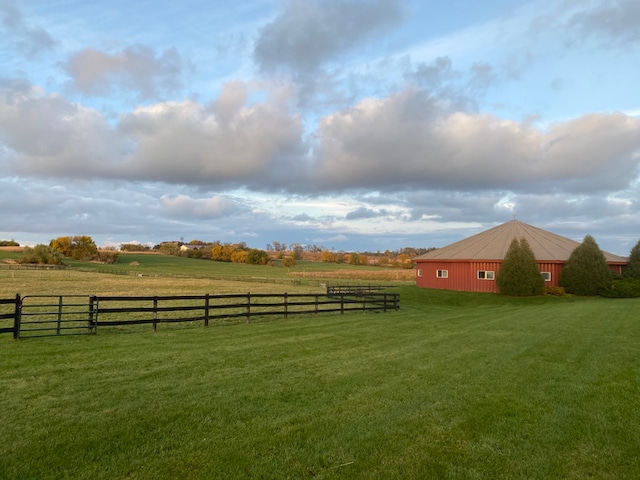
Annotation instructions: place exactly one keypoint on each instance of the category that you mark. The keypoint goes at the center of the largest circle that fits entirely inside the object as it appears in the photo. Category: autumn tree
(79, 247)
(257, 257)
(586, 270)
(64, 245)
(288, 262)
(239, 256)
(41, 254)
(519, 273)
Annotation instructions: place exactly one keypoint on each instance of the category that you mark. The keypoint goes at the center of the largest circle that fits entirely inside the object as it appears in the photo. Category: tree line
(279, 253)
(83, 247)
(79, 247)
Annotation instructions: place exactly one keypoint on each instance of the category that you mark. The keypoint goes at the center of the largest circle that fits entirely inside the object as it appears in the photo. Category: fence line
(46, 315)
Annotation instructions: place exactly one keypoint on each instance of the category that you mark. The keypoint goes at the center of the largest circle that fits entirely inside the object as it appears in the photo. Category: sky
(355, 125)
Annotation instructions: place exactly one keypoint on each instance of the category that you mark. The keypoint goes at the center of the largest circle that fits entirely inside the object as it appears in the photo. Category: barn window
(486, 274)
(546, 276)
(419, 272)
(442, 273)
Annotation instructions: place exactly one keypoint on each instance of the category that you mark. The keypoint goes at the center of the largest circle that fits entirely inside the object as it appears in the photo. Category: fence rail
(47, 315)
(355, 290)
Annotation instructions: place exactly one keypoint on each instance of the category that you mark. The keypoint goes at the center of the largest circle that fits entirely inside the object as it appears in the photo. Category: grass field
(454, 385)
(165, 265)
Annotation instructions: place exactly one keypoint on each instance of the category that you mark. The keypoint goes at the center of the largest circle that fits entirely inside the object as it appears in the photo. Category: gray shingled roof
(493, 244)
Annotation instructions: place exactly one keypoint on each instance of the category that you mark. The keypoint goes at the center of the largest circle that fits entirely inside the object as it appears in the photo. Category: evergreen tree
(519, 273)
(586, 270)
(633, 268)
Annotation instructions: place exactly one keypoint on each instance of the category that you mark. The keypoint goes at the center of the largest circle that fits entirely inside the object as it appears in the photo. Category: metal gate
(49, 315)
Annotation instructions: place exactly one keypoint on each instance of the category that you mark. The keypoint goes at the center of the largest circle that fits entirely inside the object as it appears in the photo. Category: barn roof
(493, 244)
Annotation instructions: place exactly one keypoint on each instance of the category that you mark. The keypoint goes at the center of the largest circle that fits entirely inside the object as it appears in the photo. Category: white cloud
(407, 140)
(213, 207)
(184, 142)
(50, 136)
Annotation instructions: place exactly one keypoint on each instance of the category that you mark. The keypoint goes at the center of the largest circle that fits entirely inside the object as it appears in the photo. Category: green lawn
(454, 385)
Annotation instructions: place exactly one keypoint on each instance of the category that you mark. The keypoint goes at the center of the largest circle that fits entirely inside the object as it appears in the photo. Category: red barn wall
(463, 275)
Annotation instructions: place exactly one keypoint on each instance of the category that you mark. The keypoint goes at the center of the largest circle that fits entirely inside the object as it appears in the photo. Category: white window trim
(419, 272)
(488, 275)
(546, 276)
(442, 273)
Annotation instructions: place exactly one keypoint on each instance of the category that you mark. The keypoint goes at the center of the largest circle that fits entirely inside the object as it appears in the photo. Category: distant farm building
(186, 247)
(472, 264)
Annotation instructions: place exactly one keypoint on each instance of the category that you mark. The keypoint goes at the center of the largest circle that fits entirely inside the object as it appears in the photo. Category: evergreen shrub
(586, 271)
(633, 267)
(622, 288)
(519, 273)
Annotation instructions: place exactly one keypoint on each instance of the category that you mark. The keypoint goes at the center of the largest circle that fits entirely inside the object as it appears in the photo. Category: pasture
(454, 385)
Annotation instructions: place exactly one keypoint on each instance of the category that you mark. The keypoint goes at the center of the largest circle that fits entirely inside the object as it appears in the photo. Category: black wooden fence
(355, 290)
(10, 312)
(47, 315)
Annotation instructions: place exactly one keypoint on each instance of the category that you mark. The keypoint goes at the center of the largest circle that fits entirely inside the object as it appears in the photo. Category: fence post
(155, 313)
(248, 307)
(59, 315)
(342, 304)
(206, 310)
(285, 305)
(91, 323)
(317, 301)
(16, 318)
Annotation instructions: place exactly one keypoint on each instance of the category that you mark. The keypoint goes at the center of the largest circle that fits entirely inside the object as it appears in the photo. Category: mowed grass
(454, 385)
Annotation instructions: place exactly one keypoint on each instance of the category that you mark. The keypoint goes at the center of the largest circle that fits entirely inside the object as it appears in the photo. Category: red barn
(472, 264)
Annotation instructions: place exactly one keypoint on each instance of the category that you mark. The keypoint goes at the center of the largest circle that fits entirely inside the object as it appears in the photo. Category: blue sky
(349, 124)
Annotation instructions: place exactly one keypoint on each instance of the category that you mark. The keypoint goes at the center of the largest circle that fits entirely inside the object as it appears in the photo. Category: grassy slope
(452, 386)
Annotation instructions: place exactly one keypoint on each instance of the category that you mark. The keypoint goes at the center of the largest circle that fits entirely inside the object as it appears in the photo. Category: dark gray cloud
(303, 217)
(136, 68)
(187, 207)
(309, 33)
(363, 213)
(615, 20)
(455, 89)
(29, 40)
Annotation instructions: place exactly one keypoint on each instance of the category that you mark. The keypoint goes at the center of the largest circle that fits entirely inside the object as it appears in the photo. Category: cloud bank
(343, 120)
